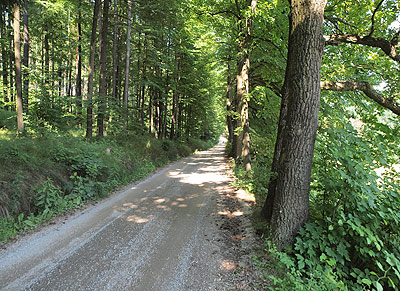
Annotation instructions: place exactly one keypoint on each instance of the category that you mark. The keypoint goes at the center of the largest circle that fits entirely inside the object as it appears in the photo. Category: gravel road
(175, 230)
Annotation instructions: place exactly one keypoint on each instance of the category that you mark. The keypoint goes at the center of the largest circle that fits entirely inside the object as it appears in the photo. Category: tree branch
(238, 7)
(220, 12)
(395, 40)
(386, 46)
(271, 43)
(335, 21)
(364, 87)
(373, 18)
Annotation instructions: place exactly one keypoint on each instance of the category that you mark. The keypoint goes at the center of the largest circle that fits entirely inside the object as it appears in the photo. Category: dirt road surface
(183, 228)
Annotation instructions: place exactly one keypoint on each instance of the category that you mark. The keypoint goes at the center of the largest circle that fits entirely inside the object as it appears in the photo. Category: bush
(352, 241)
(8, 119)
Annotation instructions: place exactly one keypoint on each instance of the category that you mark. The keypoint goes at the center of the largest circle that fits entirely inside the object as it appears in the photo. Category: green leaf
(366, 281)
(378, 286)
(380, 266)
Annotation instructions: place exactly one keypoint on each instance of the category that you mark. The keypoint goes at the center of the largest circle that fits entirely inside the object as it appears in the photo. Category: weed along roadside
(44, 177)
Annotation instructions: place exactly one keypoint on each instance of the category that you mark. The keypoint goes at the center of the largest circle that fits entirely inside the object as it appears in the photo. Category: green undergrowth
(44, 176)
(352, 239)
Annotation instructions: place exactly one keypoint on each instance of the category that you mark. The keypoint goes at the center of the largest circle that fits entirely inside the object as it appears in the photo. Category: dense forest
(307, 92)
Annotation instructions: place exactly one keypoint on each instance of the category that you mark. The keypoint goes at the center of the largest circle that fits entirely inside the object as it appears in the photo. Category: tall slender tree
(18, 77)
(78, 90)
(89, 121)
(26, 55)
(243, 86)
(115, 45)
(127, 56)
(103, 71)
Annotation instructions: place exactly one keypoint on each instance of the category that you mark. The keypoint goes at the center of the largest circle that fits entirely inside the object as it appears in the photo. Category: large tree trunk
(18, 77)
(103, 71)
(89, 122)
(291, 203)
(26, 56)
(267, 209)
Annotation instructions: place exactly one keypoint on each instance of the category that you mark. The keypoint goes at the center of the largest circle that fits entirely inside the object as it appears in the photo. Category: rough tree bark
(267, 209)
(291, 201)
(89, 122)
(18, 77)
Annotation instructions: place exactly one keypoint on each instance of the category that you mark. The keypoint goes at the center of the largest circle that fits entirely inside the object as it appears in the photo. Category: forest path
(183, 228)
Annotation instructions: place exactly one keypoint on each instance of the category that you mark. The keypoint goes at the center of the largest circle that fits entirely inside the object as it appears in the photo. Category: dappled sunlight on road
(137, 219)
(228, 265)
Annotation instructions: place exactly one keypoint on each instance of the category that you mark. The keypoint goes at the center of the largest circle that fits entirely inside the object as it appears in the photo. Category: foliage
(351, 241)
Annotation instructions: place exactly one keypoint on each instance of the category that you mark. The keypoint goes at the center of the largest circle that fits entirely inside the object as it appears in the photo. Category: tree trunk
(229, 108)
(180, 116)
(144, 79)
(103, 71)
(115, 42)
(89, 122)
(46, 58)
(26, 56)
(242, 144)
(175, 96)
(267, 209)
(5, 59)
(78, 92)
(151, 110)
(60, 78)
(69, 76)
(12, 59)
(18, 77)
(174, 114)
(244, 114)
(128, 55)
(291, 202)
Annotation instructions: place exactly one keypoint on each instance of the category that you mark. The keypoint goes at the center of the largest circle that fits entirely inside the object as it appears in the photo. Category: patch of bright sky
(395, 24)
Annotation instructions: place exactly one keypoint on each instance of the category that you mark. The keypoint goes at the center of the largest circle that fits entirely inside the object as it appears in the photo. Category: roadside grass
(47, 175)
